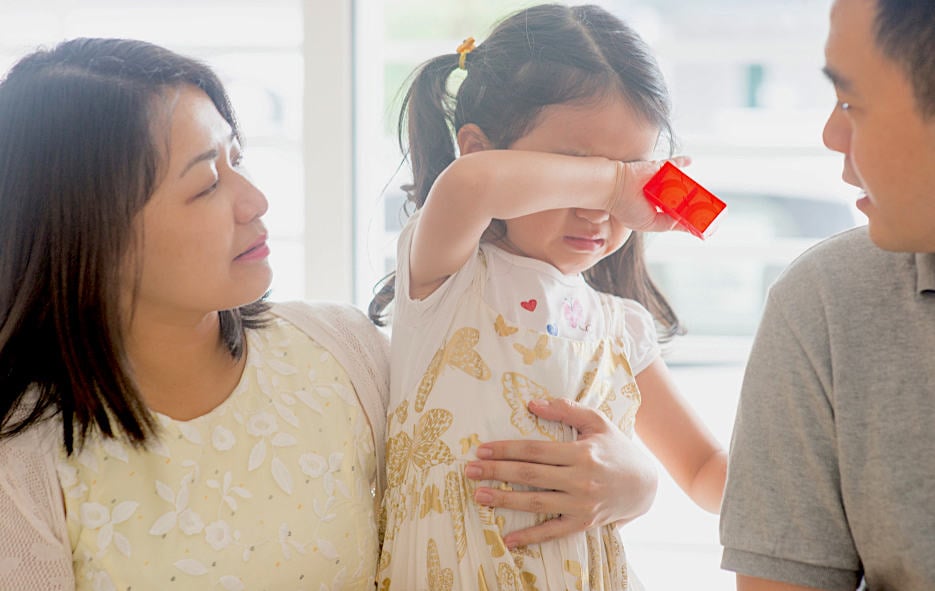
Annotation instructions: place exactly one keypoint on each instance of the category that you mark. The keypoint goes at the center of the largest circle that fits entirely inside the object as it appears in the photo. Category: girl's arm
(677, 437)
(498, 184)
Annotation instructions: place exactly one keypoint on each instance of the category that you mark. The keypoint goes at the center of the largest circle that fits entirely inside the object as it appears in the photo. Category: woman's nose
(251, 202)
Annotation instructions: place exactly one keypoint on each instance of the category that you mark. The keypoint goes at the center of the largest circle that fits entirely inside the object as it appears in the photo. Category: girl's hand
(628, 203)
(601, 478)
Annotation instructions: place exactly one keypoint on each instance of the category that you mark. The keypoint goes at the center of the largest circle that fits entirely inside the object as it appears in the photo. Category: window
(256, 48)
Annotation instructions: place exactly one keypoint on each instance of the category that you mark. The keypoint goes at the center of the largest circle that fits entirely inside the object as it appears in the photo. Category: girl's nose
(595, 216)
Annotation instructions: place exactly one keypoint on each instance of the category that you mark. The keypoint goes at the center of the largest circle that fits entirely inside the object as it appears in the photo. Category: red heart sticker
(529, 305)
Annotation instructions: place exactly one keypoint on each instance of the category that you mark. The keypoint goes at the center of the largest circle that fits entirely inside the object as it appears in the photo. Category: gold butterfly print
(481, 580)
(430, 501)
(401, 412)
(458, 353)
(509, 578)
(502, 328)
(540, 351)
(423, 450)
(619, 359)
(518, 391)
(495, 541)
(454, 504)
(573, 567)
(468, 442)
(440, 579)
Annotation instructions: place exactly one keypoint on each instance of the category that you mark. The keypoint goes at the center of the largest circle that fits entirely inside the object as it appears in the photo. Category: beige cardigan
(34, 539)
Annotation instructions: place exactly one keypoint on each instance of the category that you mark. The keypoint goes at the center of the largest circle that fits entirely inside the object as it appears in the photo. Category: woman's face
(202, 243)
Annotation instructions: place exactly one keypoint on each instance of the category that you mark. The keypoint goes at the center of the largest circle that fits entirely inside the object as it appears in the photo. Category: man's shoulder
(846, 260)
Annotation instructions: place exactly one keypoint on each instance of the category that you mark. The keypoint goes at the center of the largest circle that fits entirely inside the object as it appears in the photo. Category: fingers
(632, 208)
(585, 420)
(552, 529)
(539, 475)
(549, 453)
(540, 502)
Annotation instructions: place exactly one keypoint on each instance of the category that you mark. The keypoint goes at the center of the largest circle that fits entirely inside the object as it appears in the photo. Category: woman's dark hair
(544, 55)
(905, 32)
(80, 155)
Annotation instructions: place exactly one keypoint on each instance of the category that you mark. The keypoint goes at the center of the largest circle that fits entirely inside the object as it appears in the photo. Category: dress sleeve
(410, 312)
(34, 549)
(641, 336)
(783, 517)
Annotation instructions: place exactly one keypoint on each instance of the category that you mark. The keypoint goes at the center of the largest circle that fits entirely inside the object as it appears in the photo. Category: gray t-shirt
(832, 466)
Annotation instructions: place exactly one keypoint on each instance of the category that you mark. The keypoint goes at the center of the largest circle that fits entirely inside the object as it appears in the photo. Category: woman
(160, 424)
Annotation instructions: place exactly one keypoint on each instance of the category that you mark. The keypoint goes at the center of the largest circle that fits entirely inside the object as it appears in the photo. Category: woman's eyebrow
(206, 155)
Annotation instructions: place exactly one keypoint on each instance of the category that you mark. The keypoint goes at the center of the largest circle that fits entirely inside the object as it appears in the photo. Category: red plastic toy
(678, 195)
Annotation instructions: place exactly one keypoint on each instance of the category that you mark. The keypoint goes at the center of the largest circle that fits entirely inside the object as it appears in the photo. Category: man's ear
(472, 139)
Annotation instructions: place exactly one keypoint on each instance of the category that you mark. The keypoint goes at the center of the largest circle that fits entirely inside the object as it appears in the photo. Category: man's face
(888, 146)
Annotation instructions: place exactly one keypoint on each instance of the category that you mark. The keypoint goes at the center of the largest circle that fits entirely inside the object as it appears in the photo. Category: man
(831, 483)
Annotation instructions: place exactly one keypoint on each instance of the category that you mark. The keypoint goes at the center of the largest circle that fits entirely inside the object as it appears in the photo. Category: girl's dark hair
(79, 158)
(905, 32)
(543, 55)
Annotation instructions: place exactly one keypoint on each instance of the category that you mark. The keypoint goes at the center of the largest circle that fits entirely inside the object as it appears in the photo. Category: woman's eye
(237, 160)
(209, 190)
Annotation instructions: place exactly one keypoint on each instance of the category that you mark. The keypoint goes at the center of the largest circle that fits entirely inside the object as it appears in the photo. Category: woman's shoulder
(27, 464)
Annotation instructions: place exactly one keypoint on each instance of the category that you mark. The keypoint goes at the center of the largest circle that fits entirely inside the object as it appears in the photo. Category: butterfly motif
(423, 450)
(458, 352)
(573, 312)
(518, 391)
(431, 501)
(573, 567)
(402, 412)
(454, 504)
(468, 442)
(540, 351)
(440, 579)
(495, 541)
(502, 328)
(620, 360)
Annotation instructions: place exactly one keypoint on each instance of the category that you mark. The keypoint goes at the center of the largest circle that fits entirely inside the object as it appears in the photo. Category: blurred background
(316, 86)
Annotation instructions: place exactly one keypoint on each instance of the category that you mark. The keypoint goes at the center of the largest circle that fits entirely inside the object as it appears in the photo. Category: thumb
(585, 420)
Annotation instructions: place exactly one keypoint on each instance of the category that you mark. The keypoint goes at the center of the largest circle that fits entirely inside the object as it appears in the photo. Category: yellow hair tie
(466, 47)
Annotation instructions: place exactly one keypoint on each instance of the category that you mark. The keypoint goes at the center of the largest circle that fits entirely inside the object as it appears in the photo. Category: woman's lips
(258, 250)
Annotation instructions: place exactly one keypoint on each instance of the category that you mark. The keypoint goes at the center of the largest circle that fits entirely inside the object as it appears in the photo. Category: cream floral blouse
(271, 490)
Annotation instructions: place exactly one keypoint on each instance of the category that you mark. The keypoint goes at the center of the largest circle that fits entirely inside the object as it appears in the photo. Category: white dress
(466, 361)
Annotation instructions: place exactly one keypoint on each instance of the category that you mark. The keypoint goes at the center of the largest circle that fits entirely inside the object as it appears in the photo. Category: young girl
(520, 280)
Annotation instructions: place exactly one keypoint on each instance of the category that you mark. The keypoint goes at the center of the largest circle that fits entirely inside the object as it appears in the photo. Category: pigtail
(425, 120)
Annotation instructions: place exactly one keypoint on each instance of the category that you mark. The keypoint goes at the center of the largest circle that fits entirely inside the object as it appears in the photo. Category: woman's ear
(472, 139)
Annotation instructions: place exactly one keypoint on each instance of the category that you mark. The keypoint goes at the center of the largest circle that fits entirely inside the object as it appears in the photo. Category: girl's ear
(472, 139)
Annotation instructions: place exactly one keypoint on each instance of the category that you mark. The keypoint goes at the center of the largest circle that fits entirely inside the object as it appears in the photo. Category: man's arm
(754, 584)
(783, 515)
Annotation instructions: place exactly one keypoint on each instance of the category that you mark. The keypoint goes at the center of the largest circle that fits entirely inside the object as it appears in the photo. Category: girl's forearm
(707, 487)
(505, 184)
